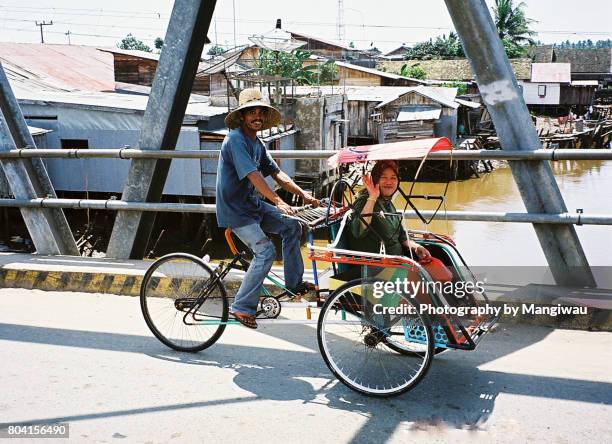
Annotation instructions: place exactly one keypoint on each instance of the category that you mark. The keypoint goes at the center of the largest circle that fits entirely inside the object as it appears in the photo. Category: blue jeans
(264, 253)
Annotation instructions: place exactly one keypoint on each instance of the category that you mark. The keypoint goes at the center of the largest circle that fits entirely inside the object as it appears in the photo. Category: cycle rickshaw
(376, 338)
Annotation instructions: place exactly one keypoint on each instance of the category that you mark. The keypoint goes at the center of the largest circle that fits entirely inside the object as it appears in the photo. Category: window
(40, 117)
(72, 144)
(542, 91)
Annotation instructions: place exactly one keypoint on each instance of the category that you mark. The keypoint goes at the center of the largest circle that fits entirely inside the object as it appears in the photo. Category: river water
(583, 184)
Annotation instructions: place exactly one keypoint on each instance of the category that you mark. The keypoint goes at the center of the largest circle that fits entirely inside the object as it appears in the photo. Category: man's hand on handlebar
(309, 200)
(285, 208)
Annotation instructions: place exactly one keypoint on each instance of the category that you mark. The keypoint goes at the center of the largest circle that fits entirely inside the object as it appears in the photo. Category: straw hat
(250, 98)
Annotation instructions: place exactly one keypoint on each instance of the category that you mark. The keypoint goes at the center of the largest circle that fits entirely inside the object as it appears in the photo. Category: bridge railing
(577, 218)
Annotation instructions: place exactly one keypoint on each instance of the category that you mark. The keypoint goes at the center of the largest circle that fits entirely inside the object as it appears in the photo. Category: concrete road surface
(89, 360)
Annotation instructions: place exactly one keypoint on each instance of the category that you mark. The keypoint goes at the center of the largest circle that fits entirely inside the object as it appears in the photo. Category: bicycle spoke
(358, 354)
(178, 291)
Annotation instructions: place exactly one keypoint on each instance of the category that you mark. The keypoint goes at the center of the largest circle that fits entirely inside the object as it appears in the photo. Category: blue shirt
(237, 202)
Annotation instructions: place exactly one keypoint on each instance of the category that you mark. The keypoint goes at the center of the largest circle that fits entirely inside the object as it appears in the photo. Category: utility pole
(68, 35)
(234, 8)
(340, 21)
(41, 24)
(216, 36)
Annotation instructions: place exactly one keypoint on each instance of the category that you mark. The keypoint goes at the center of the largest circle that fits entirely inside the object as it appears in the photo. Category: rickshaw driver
(243, 164)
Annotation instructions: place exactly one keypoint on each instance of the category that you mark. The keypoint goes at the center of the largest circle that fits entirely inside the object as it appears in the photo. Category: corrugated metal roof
(202, 66)
(327, 42)
(418, 112)
(551, 72)
(383, 94)
(400, 50)
(444, 96)
(78, 76)
(59, 67)
(227, 60)
(131, 52)
(111, 102)
(468, 103)
(377, 72)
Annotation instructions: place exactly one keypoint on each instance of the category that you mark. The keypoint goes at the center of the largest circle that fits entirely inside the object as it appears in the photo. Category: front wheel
(184, 302)
(352, 334)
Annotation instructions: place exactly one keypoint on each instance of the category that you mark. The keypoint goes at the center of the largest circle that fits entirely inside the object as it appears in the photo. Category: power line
(158, 16)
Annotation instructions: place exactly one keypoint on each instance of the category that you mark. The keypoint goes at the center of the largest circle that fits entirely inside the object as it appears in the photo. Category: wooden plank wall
(134, 70)
(352, 77)
(396, 131)
(577, 95)
(359, 113)
(139, 71)
(391, 110)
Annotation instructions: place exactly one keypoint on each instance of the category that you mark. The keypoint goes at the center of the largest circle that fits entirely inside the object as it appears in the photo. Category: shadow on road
(455, 393)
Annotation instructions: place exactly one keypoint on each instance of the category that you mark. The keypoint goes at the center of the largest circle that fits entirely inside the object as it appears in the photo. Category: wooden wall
(352, 77)
(396, 131)
(577, 95)
(135, 70)
(140, 71)
(359, 113)
(390, 110)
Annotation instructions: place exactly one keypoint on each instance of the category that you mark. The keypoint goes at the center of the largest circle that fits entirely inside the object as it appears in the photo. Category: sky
(385, 24)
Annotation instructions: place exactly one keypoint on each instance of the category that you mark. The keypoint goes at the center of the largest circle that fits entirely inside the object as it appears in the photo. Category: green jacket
(360, 239)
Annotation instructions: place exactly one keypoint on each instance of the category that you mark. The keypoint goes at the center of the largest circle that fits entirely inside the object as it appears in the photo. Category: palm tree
(512, 24)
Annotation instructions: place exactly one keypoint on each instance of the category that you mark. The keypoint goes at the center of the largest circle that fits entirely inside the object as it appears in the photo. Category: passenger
(366, 233)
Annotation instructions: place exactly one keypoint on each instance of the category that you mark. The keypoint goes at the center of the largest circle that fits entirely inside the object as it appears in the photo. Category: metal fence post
(504, 101)
(28, 178)
(178, 63)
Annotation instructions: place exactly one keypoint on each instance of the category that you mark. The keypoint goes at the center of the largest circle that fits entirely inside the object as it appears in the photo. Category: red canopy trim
(405, 150)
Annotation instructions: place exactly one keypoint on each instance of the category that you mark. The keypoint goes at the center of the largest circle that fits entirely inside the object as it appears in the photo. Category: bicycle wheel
(183, 302)
(400, 347)
(351, 334)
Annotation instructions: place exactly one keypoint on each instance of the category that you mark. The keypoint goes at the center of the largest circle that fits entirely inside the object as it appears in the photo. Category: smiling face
(388, 182)
(254, 118)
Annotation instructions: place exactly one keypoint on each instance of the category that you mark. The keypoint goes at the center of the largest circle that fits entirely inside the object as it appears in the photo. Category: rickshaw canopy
(405, 150)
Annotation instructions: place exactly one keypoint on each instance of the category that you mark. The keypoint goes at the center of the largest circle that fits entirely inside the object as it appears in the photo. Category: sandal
(245, 319)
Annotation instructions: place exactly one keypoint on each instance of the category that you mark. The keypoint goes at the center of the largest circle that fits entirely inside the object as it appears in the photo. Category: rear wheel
(183, 302)
(352, 339)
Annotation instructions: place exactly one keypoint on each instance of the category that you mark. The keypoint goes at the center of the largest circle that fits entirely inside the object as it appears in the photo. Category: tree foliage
(513, 50)
(462, 88)
(443, 47)
(512, 24)
(215, 50)
(159, 42)
(584, 44)
(131, 42)
(414, 72)
(293, 65)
